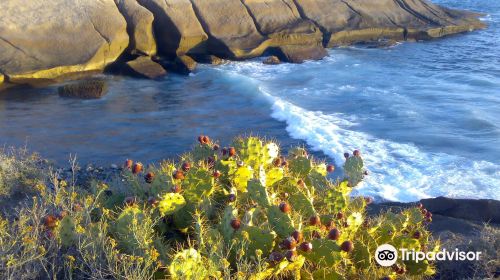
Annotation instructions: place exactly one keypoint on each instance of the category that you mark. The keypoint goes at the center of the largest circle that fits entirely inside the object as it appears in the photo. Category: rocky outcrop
(176, 27)
(85, 89)
(232, 30)
(139, 27)
(44, 40)
(146, 68)
(48, 39)
(367, 20)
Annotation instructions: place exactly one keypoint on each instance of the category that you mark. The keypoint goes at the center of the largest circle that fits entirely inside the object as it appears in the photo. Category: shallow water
(425, 115)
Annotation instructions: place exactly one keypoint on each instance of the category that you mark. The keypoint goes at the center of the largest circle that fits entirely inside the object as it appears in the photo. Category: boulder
(232, 31)
(144, 67)
(280, 20)
(139, 27)
(184, 64)
(272, 60)
(176, 27)
(298, 54)
(48, 39)
(85, 89)
(368, 20)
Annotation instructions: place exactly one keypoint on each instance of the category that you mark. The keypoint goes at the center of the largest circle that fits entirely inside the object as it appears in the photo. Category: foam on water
(398, 171)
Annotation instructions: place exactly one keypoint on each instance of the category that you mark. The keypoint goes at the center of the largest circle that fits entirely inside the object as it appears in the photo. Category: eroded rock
(232, 31)
(139, 27)
(48, 39)
(176, 27)
(144, 67)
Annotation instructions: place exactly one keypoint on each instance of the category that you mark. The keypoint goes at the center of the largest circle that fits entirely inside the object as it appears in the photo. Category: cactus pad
(171, 203)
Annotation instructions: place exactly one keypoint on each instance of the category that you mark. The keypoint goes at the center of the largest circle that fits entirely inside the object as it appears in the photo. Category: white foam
(398, 171)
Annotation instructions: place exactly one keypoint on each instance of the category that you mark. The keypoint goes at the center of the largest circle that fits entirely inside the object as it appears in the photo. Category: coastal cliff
(51, 40)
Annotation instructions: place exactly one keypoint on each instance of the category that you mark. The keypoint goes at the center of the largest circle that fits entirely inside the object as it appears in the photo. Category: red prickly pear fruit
(285, 207)
(277, 162)
(330, 168)
(334, 234)
(205, 139)
(346, 155)
(130, 200)
(200, 139)
(330, 224)
(178, 175)
(50, 221)
(306, 247)
(235, 224)
(347, 246)
(417, 234)
(301, 183)
(216, 147)
(231, 197)
(289, 243)
(297, 235)
(232, 152)
(420, 205)
(428, 214)
(340, 216)
(429, 219)
(128, 164)
(186, 166)
(137, 168)
(153, 201)
(217, 174)
(291, 255)
(284, 163)
(356, 153)
(176, 189)
(315, 220)
(149, 177)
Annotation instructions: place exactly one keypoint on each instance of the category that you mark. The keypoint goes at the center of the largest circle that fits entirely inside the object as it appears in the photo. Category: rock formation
(48, 39)
(51, 39)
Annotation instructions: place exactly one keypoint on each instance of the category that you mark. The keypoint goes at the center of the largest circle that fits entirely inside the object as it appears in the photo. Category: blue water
(425, 115)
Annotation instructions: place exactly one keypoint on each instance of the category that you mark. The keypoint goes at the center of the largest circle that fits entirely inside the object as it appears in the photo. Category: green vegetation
(243, 212)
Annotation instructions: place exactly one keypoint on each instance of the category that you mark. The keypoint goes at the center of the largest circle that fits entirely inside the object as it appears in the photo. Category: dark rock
(144, 67)
(85, 89)
(483, 210)
(298, 54)
(184, 64)
(272, 60)
(209, 59)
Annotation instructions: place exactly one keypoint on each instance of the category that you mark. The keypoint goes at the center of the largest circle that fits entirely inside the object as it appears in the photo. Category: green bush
(242, 212)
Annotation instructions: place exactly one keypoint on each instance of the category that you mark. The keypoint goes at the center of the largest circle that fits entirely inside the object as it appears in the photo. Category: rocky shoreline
(50, 41)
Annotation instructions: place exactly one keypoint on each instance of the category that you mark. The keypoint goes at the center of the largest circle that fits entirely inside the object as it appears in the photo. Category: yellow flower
(70, 258)
(154, 254)
(80, 229)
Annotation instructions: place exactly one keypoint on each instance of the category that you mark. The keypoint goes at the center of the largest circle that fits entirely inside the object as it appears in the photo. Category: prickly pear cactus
(301, 166)
(354, 170)
(252, 238)
(187, 264)
(254, 152)
(280, 222)
(171, 203)
(225, 225)
(197, 184)
(125, 227)
(258, 193)
(325, 252)
(67, 231)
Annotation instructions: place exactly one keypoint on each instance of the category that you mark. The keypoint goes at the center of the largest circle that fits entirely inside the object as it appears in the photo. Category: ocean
(426, 115)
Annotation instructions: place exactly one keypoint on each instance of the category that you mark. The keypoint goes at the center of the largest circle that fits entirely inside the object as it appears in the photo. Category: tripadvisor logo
(387, 255)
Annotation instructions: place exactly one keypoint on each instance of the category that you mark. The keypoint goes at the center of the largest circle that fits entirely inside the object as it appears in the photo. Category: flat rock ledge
(91, 35)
